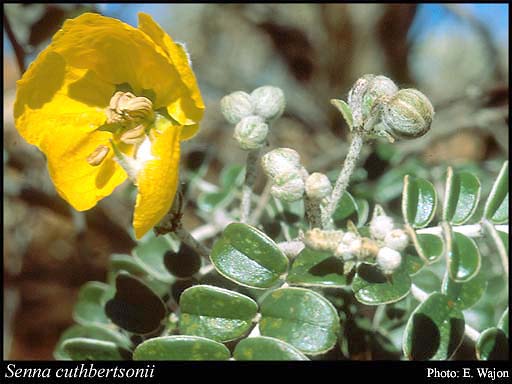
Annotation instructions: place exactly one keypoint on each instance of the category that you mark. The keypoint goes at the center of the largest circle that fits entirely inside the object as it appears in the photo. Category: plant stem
(343, 178)
(262, 203)
(188, 239)
(255, 332)
(250, 176)
(313, 212)
(471, 230)
(421, 296)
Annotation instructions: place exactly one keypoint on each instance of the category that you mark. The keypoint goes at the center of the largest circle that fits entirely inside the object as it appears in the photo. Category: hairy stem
(421, 296)
(262, 204)
(313, 212)
(188, 239)
(343, 178)
(250, 176)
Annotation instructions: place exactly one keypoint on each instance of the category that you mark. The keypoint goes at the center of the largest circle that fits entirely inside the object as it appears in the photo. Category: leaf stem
(471, 230)
(250, 176)
(343, 179)
(493, 234)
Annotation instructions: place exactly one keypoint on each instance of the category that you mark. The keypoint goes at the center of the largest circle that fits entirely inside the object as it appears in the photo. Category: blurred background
(457, 54)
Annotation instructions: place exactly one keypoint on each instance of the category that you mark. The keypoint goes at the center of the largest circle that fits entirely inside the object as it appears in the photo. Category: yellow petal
(157, 182)
(118, 54)
(189, 110)
(189, 131)
(78, 182)
(64, 127)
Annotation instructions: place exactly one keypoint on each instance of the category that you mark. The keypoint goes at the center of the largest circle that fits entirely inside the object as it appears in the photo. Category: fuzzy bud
(408, 114)
(288, 187)
(236, 106)
(397, 239)
(280, 161)
(388, 260)
(367, 92)
(268, 102)
(380, 226)
(349, 237)
(251, 132)
(318, 186)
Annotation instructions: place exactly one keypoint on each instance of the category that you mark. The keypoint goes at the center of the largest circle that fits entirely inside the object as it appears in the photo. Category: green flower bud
(236, 106)
(318, 186)
(288, 187)
(280, 161)
(366, 95)
(268, 102)
(408, 114)
(251, 132)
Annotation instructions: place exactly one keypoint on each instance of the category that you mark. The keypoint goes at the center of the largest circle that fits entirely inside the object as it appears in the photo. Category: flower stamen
(98, 155)
(125, 107)
(134, 135)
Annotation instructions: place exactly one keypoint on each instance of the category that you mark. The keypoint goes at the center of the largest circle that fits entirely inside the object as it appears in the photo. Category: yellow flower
(105, 101)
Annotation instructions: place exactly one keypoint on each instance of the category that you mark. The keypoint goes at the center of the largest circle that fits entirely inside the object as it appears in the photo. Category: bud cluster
(380, 108)
(394, 241)
(252, 114)
(283, 167)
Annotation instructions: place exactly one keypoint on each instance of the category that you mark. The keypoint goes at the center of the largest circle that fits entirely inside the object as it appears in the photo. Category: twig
(19, 52)
(262, 203)
(188, 239)
(250, 177)
(313, 212)
(378, 315)
(171, 223)
(343, 178)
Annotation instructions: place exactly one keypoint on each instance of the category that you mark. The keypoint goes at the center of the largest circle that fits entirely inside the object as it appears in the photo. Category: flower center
(125, 107)
(133, 115)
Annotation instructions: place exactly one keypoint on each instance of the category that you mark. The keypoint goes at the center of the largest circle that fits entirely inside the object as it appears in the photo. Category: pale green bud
(251, 132)
(236, 106)
(280, 161)
(366, 95)
(408, 114)
(288, 187)
(268, 102)
(318, 186)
